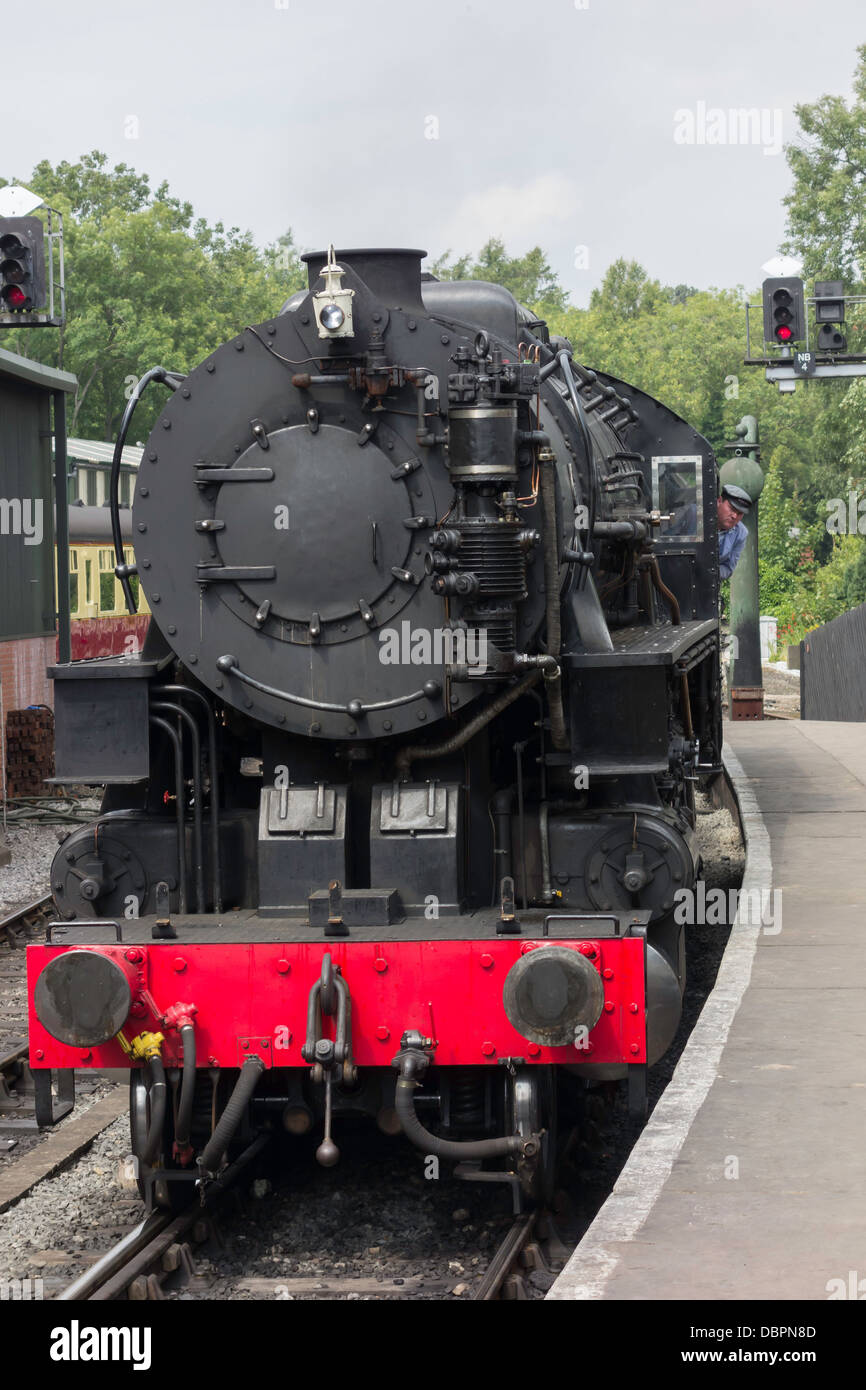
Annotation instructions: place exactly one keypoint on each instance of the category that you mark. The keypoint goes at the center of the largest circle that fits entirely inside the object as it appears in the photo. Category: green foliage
(825, 207)
(529, 278)
(150, 283)
(147, 284)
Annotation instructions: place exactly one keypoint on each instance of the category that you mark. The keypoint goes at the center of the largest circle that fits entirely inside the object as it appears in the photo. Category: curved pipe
(415, 752)
(672, 600)
(211, 1155)
(172, 380)
(178, 792)
(183, 1128)
(214, 784)
(447, 1148)
(157, 1096)
(169, 707)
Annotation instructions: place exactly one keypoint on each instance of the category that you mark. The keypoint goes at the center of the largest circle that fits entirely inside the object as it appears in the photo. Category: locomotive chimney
(393, 276)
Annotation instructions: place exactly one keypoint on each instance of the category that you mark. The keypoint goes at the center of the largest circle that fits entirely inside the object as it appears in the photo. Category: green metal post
(744, 470)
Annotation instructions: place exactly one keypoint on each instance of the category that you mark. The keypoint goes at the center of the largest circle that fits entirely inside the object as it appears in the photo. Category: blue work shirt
(730, 548)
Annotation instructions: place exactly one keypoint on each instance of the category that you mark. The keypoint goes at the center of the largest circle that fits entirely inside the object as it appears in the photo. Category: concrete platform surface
(748, 1182)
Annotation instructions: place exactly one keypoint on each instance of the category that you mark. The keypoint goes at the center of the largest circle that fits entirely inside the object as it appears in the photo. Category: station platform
(747, 1182)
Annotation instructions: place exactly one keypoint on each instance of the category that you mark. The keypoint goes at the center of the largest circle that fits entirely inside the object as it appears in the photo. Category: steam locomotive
(399, 792)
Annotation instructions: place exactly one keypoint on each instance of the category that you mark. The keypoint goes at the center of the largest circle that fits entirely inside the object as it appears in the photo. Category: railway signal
(784, 310)
(830, 315)
(22, 264)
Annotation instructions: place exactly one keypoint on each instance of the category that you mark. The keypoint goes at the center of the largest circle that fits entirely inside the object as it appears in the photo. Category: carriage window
(678, 491)
(90, 487)
(73, 593)
(88, 581)
(106, 592)
(107, 598)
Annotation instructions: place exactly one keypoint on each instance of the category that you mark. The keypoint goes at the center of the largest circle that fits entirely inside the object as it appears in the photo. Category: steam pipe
(178, 791)
(446, 1148)
(214, 784)
(416, 752)
(211, 1155)
(169, 707)
(558, 730)
(183, 1128)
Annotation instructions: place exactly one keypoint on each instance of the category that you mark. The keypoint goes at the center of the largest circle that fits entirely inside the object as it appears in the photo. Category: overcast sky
(594, 128)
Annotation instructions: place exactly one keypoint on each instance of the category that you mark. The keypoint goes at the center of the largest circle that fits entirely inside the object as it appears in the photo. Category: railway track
(160, 1246)
(23, 922)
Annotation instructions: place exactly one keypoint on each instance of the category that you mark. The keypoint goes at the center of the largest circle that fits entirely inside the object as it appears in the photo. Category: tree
(826, 226)
(529, 277)
(147, 284)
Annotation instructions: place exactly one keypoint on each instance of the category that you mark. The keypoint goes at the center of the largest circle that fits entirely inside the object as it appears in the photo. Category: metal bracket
(508, 924)
(162, 928)
(51, 1108)
(637, 1090)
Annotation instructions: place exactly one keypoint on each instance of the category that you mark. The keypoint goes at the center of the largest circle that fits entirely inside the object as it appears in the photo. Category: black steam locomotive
(399, 793)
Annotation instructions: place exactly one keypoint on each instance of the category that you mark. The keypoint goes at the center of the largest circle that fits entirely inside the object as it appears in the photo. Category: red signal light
(15, 298)
(783, 333)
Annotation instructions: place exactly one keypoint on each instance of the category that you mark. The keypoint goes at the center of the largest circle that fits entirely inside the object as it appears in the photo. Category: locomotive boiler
(399, 793)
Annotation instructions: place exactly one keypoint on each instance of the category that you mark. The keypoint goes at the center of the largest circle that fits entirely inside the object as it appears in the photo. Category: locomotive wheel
(534, 1111)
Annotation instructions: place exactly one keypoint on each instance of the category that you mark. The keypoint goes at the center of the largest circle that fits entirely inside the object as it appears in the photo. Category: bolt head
(632, 1008)
(383, 1033)
(533, 1050)
(283, 967)
(634, 1048)
(380, 964)
(134, 955)
(486, 962)
(39, 1054)
(608, 973)
(608, 1007)
(178, 964)
(488, 1049)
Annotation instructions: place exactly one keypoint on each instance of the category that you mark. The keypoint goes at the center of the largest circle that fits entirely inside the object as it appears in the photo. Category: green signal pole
(744, 470)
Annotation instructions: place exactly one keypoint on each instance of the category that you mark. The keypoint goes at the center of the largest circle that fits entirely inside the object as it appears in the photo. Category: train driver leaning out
(731, 507)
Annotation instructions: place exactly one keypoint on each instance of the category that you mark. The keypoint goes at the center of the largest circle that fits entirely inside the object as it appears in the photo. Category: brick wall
(22, 672)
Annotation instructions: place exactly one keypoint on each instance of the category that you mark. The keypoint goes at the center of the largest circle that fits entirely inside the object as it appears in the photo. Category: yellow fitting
(123, 1043)
(147, 1045)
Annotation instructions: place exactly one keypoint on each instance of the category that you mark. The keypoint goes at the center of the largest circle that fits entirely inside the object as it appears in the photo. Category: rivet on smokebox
(380, 964)
(608, 974)
(488, 1049)
(486, 962)
(608, 1008)
(283, 967)
(178, 964)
